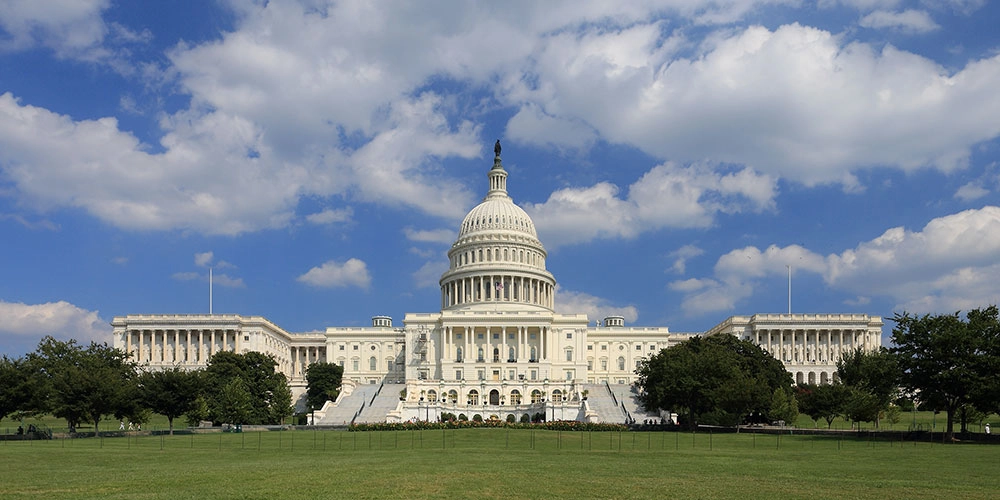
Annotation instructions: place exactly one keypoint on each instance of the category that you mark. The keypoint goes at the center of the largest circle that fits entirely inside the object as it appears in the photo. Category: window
(246, 338)
(604, 364)
(496, 336)
(458, 374)
(458, 357)
(482, 374)
(590, 363)
(652, 347)
(638, 347)
(590, 347)
(557, 396)
(372, 363)
(536, 396)
(569, 335)
(621, 363)
(341, 347)
(458, 335)
(604, 348)
(480, 357)
(532, 335)
(515, 397)
(569, 354)
(510, 336)
(388, 364)
(534, 374)
(423, 356)
(480, 335)
(569, 374)
(355, 363)
(355, 347)
(637, 363)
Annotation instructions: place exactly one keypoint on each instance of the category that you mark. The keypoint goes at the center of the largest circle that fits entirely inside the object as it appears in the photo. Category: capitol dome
(497, 257)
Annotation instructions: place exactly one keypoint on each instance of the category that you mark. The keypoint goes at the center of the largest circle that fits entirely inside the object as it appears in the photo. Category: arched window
(533, 356)
(480, 358)
(432, 396)
(452, 396)
(515, 397)
(511, 354)
(458, 357)
(372, 363)
(473, 397)
(621, 363)
(388, 364)
(496, 354)
(536, 396)
(557, 396)
(569, 354)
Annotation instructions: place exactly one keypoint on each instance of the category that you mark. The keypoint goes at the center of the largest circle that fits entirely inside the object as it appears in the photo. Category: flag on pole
(499, 285)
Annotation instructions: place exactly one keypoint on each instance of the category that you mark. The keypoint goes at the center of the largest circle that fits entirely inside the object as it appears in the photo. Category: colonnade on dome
(479, 289)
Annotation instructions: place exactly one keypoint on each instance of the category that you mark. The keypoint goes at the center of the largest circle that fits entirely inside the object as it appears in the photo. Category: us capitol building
(496, 349)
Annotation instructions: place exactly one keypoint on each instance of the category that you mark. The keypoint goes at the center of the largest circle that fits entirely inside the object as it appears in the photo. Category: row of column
(813, 347)
(499, 288)
(522, 346)
(179, 346)
(302, 357)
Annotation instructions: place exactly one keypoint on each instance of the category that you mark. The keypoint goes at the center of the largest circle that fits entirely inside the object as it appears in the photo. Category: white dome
(495, 214)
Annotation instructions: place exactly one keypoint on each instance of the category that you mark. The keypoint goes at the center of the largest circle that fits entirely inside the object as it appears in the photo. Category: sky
(681, 159)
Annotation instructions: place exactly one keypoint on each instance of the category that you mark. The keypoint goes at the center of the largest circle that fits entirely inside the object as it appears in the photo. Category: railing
(379, 390)
(358, 412)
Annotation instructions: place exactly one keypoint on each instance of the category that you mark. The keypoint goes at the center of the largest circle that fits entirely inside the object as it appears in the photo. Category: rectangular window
(423, 356)
(458, 374)
(569, 335)
(510, 374)
(590, 347)
(246, 338)
(652, 347)
(590, 364)
(534, 374)
(458, 335)
(510, 336)
(604, 348)
(341, 347)
(480, 335)
(532, 335)
(569, 374)
(355, 347)
(482, 374)
(496, 336)
(569, 355)
(638, 347)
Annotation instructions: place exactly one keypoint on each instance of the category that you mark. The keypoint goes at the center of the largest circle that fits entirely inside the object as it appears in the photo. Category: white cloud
(186, 276)
(353, 272)
(442, 236)
(227, 281)
(68, 27)
(948, 265)
(61, 320)
(909, 21)
(331, 216)
(682, 255)
(203, 259)
(667, 196)
(971, 191)
(532, 126)
(596, 308)
(847, 105)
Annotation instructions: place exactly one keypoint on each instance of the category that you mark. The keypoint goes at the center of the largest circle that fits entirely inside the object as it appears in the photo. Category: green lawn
(494, 463)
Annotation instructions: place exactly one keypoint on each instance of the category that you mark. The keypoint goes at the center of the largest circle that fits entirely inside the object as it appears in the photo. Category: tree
(270, 400)
(784, 406)
(873, 379)
(718, 379)
(823, 401)
(323, 384)
(15, 386)
(948, 361)
(171, 392)
(84, 383)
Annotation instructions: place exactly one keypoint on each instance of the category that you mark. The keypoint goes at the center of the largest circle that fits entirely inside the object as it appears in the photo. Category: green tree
(84, 383)
(171, 393)
(270, 399)
(323, 384)
(949, 361)
(822, 401)
(233, 403)
(15, 386)
(873, 376)
(718, 379)
(784, 406)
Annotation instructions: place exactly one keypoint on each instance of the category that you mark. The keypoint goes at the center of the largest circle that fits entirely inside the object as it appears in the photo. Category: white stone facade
(497, 346)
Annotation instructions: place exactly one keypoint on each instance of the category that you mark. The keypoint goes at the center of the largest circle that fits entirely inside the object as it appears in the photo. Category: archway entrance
(494, 397)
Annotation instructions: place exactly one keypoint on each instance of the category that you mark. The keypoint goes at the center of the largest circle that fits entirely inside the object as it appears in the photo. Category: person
(121, 425)
(987, 428)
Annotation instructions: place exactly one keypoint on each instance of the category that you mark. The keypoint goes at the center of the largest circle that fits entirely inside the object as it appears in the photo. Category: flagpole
(789, 289)
(210, 290)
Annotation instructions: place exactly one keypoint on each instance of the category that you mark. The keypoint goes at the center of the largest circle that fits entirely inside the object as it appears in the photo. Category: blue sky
(318, 156)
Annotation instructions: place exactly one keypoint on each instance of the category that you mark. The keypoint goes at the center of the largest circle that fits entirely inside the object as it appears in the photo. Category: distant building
(496, 349)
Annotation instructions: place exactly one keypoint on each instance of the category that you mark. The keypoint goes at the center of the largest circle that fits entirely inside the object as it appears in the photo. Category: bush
(462, 417)
(525, 419)
(510, 418)
(477, 418)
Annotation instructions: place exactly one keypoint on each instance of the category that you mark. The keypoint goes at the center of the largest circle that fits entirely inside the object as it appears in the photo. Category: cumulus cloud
(909, 21)
(203, 259)
(61, 320)
(596, 308)
(68, 27)
(682, 255)
(429, 274)
(669, 195)
(950, 264)
(333, 274)
(847, 106)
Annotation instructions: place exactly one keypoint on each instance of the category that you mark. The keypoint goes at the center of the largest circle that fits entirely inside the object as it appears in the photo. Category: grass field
(494, 463)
